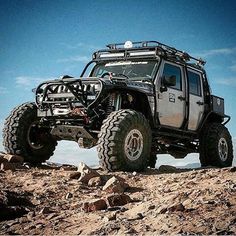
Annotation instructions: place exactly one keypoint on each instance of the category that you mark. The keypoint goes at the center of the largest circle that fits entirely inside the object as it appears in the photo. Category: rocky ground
(52, 199)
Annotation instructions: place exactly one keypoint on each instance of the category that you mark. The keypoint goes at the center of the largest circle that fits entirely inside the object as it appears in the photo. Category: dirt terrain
(52, 199)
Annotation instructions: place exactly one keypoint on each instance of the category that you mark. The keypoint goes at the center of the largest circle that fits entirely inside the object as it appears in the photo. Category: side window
(194, 83)
(170, 70)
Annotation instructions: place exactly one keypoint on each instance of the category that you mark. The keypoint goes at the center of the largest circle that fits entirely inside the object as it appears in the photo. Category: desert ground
(63, 199)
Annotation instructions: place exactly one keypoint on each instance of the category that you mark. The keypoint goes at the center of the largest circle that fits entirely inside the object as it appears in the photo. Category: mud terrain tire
(216, 147)
(22, 136)
(124, 141)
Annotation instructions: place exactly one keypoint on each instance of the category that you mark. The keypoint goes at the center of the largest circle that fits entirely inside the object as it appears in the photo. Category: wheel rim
(34, 136)
(223, 149)
(133, 144)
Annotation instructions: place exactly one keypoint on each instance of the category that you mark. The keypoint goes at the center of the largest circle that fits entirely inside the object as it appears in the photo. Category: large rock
(95, 181)
(74, 175)
(167, 169)
(14, 158)
(115, 185)
(94, 205)
(172, 208)
(11, 166)
(118, 199)
(232, 169)
(86, 173)
(2, 159)
(176, 207)
(7, 166)
(13, 205)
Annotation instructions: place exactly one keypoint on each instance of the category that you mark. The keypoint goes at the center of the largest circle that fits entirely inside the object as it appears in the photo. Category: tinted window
(194, 83)
(170, 70)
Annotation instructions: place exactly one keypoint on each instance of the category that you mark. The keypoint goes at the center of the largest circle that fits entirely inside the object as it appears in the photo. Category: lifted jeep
(139, 99)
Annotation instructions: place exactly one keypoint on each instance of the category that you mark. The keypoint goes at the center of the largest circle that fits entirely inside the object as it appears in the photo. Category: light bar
(107, 55)
(142, 53)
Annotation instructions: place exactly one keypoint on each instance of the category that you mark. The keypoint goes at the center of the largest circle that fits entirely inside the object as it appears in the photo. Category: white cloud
(231, 81)
(233, 67)
(75, 59)
(80, 45)
(29, 81)
(216, 52)
(3, 90)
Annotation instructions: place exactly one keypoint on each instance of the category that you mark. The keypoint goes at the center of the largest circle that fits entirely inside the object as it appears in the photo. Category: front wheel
(23, 136)
(124, 141)
(216, 147)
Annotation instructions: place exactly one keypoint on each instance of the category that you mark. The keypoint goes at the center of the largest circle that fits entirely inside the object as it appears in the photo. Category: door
(196, 99)
(171, 103)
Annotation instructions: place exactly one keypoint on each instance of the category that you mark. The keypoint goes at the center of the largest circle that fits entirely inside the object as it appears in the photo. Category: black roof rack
(160, 48)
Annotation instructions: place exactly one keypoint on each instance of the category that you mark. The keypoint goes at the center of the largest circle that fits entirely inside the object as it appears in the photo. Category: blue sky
(45, 39)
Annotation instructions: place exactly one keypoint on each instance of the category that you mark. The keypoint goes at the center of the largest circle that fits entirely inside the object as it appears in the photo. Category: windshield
(134, 70)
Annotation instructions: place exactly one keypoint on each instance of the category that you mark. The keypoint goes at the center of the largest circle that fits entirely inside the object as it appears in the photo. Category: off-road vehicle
(134, 101)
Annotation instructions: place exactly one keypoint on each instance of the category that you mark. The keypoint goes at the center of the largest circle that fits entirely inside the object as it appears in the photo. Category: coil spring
(110, 104)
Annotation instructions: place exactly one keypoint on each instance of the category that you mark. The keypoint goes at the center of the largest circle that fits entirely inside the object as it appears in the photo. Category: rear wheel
(216, 147)
(124, 141)
(23, 136)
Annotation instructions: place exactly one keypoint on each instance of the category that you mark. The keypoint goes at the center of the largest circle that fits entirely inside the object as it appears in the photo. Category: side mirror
(167, 81)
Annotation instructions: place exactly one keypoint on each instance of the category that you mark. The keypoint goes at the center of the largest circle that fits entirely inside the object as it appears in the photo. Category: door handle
(200, 103)
(181, 98)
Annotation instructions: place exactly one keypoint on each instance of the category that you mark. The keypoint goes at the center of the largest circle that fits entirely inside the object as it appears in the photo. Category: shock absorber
(110, 104)
(114, 103)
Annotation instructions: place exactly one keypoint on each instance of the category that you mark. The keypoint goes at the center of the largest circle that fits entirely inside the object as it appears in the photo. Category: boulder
(7, 166)
(172, 208)
(14, 158)
(95, 181)
(74, 175)
(12, 205)
(118, 199)
(232, 169)
(86, 173)
(94, 205)
(11, 166)
(167, 169)
(176, 207)
(2, 159)
(115, 185)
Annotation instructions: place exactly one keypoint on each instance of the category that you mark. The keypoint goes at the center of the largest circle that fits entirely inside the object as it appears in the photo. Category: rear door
(196, 99)
(171, 103)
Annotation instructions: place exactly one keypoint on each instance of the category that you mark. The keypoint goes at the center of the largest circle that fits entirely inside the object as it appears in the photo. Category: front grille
(62, 97)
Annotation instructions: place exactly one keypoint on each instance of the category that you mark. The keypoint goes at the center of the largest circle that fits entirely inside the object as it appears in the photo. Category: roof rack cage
(155, 44)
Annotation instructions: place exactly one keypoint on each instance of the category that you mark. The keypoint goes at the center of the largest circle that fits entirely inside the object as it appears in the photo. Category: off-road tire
(16, 131)
(115, 132)
(216, 147)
